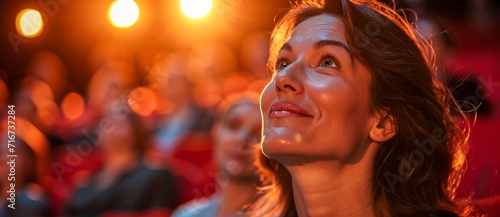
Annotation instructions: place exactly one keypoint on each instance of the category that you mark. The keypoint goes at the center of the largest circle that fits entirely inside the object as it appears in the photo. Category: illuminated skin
(317, 121)
(329, 86)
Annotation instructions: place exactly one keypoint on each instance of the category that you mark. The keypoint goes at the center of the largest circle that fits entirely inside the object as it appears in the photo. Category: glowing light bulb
(29, 23)
(123, 13)
(196, 8)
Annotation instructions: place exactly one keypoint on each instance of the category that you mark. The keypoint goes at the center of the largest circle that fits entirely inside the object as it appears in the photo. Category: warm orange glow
(73, 106)
(207, 94)
(258, 85)
(36, 140)
(196, 8)
(164, 106)
(40, 91)
(29, 23)
(47, 112)
(234, 84)
(143, 101)
(123, 13)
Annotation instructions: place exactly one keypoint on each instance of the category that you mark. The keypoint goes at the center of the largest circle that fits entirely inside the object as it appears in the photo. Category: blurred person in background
(211, 63)
(178, 114)
(30, 197)
(111, 82)
(181, 135)
(78, 156)
(34, 101)
(236, 133)
(36, 118)
(127, 181)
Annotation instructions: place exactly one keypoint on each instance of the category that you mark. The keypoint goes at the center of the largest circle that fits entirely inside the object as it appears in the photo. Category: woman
(235, 133)
(355, 121)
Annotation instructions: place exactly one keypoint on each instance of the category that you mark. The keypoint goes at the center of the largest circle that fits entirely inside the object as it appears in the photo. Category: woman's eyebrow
(320, 44)
(287, 47)
(323, 43)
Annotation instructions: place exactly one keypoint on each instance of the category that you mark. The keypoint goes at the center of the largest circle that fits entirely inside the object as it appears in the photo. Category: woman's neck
(234, 196)
(333, 188)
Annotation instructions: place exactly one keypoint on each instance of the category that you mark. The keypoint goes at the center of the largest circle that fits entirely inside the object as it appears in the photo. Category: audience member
(127, 183)
(236, 132)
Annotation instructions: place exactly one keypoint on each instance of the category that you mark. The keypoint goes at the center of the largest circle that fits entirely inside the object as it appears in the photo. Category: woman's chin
(283, 149)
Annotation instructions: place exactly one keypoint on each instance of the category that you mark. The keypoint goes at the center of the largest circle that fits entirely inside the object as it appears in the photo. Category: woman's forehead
(322, 27)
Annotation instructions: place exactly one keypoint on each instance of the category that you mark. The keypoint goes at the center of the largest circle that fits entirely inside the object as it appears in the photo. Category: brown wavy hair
(417, 171)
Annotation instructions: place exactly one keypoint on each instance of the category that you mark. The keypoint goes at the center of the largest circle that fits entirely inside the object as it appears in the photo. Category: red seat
(491, 206)
(192, 163)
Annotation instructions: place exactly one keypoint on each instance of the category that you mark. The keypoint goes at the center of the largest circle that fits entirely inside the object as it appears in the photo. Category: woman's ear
(384, 127)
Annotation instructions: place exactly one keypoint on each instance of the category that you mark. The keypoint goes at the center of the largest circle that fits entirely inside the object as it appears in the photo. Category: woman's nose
(288, 81)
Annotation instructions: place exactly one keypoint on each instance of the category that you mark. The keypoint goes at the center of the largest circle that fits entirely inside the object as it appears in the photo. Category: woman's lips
(286, 110)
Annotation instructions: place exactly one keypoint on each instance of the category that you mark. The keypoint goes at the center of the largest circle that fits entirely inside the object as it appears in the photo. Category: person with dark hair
(356, 122)
(127, 182)
(236, 133)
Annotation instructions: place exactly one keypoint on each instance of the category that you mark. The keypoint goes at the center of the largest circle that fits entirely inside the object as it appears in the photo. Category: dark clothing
(171, 131)
(27, 206)
(139, 190)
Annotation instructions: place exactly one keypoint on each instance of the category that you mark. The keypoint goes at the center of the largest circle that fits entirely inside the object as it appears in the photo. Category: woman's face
(234, 140)
(317, 104)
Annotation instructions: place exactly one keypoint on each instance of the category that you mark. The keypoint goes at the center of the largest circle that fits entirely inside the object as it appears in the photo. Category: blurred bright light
(123, 13)
(143, 101)
(196, 8)
(73, 106)
(207, 94)
(47, 112)
(29, 23)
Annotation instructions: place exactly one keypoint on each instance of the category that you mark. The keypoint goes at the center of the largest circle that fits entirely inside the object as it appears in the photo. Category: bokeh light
(207, 94)
(48, 113)
(39, 90)
(233, 84)
(143, 101)
(196, 9)
(73, 106)
(36, 140)
(123, 13)
(29, 23)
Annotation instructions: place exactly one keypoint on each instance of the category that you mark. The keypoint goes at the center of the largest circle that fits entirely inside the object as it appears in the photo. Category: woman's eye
(328, 62)
(233, 125)
(281, 64)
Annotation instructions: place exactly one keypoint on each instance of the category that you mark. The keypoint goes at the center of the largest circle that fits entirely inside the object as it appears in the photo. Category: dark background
(72, 29)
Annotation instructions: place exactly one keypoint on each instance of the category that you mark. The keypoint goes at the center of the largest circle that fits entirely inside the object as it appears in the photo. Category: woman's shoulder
(198, 207)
